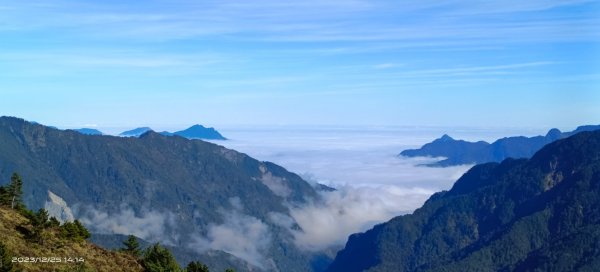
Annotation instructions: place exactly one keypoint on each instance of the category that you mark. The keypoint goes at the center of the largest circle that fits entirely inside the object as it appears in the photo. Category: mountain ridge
(520, 214)
(136, 132)
(200, 132)
(89, 131)
(457, 152)
(184, 190)
(192, 133)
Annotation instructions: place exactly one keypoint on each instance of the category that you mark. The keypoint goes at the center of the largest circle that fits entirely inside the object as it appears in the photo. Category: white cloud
(350, 210)
(275, 184)
(386, 65)
(241, 235)
(150, 225)
(374, 185)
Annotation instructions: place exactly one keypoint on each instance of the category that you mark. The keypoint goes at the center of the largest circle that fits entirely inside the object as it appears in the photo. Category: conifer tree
(4, 196)
(132, 246)
(15, 190)
(53, 222)
(196, 267)
(74, 231)
(159, 259)
(10, 195)
(5, 259)
(41, 218)
(82, 232)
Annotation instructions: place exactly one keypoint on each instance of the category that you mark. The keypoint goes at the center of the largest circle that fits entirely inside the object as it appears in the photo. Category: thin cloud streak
(313, 21)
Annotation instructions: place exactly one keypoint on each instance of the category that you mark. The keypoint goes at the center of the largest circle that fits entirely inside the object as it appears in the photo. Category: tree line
(157, 258)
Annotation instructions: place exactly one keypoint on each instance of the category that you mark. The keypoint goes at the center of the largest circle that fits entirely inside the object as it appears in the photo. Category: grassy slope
(95, 258)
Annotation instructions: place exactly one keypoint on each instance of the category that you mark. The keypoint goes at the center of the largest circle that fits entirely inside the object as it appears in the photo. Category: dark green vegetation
(132, 246)
(196, 267)
(6, 255)
(190, 185)
(158, 259)
(11, 195)
(74, 231)
(459, 152)
(541, 214)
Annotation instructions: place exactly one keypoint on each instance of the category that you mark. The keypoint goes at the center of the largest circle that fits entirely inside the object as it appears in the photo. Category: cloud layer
(350, 210)
(241, 235)
(373, 184)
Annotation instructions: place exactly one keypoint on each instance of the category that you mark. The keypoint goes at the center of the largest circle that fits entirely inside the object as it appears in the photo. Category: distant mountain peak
(445, 138)
(136, 132)
(198, 126)
(148, 133)
(554, 133)
(200, 132)
(89, 131)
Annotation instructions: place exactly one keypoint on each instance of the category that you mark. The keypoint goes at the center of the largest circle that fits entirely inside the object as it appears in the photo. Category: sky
(313, 62)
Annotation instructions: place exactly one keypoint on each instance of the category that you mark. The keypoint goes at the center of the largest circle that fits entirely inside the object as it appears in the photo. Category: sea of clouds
(373, 184)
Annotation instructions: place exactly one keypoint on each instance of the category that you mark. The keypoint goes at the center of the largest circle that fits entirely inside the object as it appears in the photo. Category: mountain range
(213, 204)
(136, 132)
(89, 131)
(198, 132)
(223, 208)
(538, 214)
(193, 132)
(457, 152)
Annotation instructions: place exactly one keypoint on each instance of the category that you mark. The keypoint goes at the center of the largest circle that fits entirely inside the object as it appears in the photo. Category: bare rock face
(57, 207)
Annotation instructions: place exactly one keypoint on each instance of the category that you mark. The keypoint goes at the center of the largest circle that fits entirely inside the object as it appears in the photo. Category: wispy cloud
(150, 225)
(386, 65)
(241, 235)
(270, 49)
(312, 20)
(101, 58)
(471, 70)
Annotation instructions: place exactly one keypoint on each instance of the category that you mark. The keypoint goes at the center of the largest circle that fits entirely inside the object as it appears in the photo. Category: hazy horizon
(490, 132)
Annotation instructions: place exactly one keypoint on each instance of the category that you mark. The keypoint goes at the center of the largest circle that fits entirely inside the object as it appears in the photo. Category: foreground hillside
(182, 193)
(73, 255)
(541, 214)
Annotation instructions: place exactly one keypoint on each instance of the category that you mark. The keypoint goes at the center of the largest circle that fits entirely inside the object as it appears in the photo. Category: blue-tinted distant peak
(445, 138)
(89, 131)
(166, 133)
(135, 132)
(200, 132)
(554, 133)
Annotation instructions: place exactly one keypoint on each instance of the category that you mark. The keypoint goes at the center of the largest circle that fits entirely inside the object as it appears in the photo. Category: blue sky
(443, 63)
